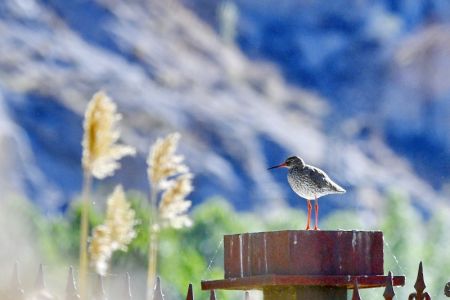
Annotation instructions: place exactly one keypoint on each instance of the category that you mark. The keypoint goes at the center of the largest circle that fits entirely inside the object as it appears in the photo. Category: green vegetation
(185, 254)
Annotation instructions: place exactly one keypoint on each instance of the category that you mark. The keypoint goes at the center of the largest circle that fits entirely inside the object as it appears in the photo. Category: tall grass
(170, 182)
(101, 153)
(116, 233)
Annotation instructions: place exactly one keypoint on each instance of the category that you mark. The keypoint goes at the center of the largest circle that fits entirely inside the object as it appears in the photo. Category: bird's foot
(316, 228)
(307, 228)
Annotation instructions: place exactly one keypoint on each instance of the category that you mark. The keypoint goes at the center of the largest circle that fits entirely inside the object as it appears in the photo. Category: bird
(310, 183)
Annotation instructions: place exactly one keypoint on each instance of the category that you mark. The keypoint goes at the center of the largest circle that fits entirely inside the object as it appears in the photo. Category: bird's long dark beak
(278, 166)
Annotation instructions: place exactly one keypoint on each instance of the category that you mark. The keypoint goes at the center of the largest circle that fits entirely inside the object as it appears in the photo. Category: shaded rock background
(338, 85)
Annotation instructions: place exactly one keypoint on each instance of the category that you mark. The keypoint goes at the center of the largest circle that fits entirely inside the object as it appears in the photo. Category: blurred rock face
(384, 64)
(168, 71)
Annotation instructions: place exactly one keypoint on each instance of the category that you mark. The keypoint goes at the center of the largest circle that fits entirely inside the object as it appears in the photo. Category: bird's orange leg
(309, 215)
(316, 208)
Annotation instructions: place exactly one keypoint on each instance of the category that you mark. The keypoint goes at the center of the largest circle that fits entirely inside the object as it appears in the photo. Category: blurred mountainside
(168, 69)
(383, 65)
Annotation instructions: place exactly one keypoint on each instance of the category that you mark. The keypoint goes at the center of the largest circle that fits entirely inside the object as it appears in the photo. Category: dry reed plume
(170, 177)
(101, 153)
(115, 234)
(162, 162)
(173, 206)
(100, 149)
(120, 219)
(100, 249)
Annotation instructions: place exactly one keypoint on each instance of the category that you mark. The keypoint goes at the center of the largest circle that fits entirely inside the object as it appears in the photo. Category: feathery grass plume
(100, 155)
(169, 176)
(173, 205)
(100, 249)
(162, 161)
(100, 149)
(120, 219)
(115, 234)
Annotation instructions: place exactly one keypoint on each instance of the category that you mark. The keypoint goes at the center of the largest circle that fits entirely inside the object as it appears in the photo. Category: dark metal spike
(157, 292)
(420, 283)
(99, 291)
(447, 290)
(247, 296)
(127, 288)
(420, 286)
(212, 295)
(71, 288)
(355, 295)
(190, 293)
(389, 293)
(16, 292)
(40, 282)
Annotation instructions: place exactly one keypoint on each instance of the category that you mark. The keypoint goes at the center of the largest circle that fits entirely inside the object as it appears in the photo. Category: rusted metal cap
(301, 252)
(303, 258)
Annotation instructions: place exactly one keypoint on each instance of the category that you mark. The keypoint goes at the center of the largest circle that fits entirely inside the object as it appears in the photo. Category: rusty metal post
(389, 293)
(419, 286)
(212, 295)
(305, 293)
(190, 293)
(355, 295)
(300, 264)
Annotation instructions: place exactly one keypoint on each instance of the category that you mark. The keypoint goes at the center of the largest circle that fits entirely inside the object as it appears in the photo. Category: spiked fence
(419, 286)
(40, 291)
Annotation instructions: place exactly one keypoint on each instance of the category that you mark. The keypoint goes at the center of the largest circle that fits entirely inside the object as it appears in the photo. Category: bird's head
(290, 162)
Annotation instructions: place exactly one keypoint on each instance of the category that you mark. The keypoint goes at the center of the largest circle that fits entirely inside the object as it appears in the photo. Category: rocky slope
(168, 70)
(383, 64)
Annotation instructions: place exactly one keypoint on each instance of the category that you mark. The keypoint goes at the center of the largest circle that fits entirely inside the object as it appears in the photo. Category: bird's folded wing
(318, 177)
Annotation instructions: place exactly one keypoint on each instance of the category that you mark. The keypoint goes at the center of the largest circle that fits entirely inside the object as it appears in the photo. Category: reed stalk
(101, 152)
(153, 244)
(171, 179)
(84, 232)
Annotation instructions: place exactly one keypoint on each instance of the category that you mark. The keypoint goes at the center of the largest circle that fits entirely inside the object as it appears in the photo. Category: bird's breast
(302, 184)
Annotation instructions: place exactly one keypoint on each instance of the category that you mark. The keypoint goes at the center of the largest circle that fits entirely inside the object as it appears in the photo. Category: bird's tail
(338, 188)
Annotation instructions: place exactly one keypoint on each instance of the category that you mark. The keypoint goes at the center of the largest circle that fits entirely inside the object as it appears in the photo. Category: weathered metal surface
(71, 288)
(262, 281)
(99, 289)
(157, 292)
(16, 291)
(389, 293)
(126, 290)
(447, 289)
(355, 295)
(304, 293)
(300, 252)
(40, 282)
(40, 290)
(419, 286)
(212, 295)
(190, 293)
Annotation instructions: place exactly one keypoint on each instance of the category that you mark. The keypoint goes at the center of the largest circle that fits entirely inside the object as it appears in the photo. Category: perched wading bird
(310, 183)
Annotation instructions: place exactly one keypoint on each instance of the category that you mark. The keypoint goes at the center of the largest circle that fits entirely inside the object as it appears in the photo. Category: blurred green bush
(196, 253)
